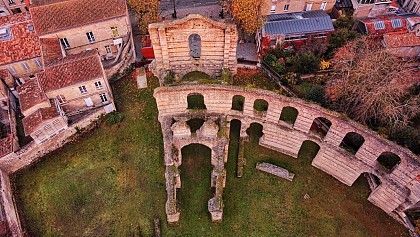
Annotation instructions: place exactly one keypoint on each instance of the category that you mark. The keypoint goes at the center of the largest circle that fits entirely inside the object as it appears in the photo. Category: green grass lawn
(111, 183)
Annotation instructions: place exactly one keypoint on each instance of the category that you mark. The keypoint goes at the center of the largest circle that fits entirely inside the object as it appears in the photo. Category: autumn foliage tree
(148, 12)
(373, 86)
(247, 14)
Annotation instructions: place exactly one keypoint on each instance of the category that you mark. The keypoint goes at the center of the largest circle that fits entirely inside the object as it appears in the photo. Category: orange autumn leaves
(148, 12)
(247, 14)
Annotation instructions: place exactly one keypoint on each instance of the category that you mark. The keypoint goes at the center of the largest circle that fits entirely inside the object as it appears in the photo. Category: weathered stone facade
(398, 189)
(176, 135)
(173, 51)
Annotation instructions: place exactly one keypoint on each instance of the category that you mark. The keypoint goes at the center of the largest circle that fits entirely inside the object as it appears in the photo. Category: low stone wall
(8, 203)
(399, 189)
(275, 170)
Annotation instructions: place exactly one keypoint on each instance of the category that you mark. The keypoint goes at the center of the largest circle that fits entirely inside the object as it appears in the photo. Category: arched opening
(308, 151)
(196, 76)
(195, 45)
(238, 102)
(196, 101)
(289, 115)
(195, 124)
(260, 106)
(389, 160)
(255, 131)
(320, 127)
(195, 173)
(352, 142)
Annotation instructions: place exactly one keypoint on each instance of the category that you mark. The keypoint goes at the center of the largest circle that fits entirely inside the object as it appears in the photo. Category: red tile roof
(6, 145)
(401, 40)
(51, 50)
(70, 70)
(23, 44)
(33, 121)
(65, 14)
(30, 94)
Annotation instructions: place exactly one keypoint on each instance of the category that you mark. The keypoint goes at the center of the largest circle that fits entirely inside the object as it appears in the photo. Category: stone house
(13, 7)
(293, 29)
(381, 25)
(84, 25)
(373, 8)
(78, 82)
(44, 117)
(281, 6)
(193, 43)
(20, 50)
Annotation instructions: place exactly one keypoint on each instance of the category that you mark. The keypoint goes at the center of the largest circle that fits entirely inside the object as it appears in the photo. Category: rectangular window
(25, 66)
(323, 6)
(65, 43)
(103, 97)
(83, 89)
(115, 31)
(98, 85)
(308, 7)
(396, 23)
(38, 63)
(379, 25)
(273, 9)
(108, 49)
(61, 99)
(286, 7)
(413, 7)
(90, 37)
(13, 69)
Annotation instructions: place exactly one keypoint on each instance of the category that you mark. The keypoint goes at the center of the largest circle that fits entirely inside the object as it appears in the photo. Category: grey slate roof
(298, 23)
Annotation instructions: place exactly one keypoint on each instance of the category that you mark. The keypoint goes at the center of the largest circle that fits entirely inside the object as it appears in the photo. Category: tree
(148, 12)
(373, 86)
(306, 62)
(247, 14)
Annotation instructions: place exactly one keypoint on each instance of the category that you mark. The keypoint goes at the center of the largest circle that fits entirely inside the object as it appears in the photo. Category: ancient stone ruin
(275, 170)
(395, 189)
(193, 43)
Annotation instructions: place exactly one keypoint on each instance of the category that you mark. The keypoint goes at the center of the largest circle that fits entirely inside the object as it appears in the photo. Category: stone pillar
(164, 47)
(227, 48)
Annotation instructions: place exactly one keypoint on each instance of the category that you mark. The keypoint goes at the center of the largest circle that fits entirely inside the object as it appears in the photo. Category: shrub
(407, 136)
(270, 58)
(279, 67)
(169, 78)
(306, 62)
(225, 75)
(316, 94)
(113, 118)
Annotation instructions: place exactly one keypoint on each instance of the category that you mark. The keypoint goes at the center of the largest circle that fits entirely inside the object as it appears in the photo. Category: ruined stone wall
(399, 190)
(170, 41)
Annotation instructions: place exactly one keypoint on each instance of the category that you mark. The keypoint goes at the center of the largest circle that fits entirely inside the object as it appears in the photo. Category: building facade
(283, 6)
(193, 43)
(85, 25)
(13, 6)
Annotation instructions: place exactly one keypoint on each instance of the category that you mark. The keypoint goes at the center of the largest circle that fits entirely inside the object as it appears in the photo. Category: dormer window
(396, 23)
(379, 25)
(5, 34)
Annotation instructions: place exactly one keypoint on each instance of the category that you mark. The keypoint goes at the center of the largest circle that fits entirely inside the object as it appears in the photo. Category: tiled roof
(33, 121)
(30, 94)
(4, 73)
(51, 50)
(401, 40)
(298, 23)
(414, 20)
(60, 15)
(23, 43)
(6, 145)
(70, 70)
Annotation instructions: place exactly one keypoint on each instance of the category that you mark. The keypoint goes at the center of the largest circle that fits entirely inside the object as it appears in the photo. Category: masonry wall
(170, 41)
(398, 190)
(79, 42)
(18, 69)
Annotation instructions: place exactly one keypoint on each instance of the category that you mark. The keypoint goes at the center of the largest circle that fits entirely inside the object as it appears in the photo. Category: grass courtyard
(110, 182)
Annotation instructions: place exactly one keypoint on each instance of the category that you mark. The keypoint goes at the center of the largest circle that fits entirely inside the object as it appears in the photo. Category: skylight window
(396, 23)
(379, 25)
(5, 34)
